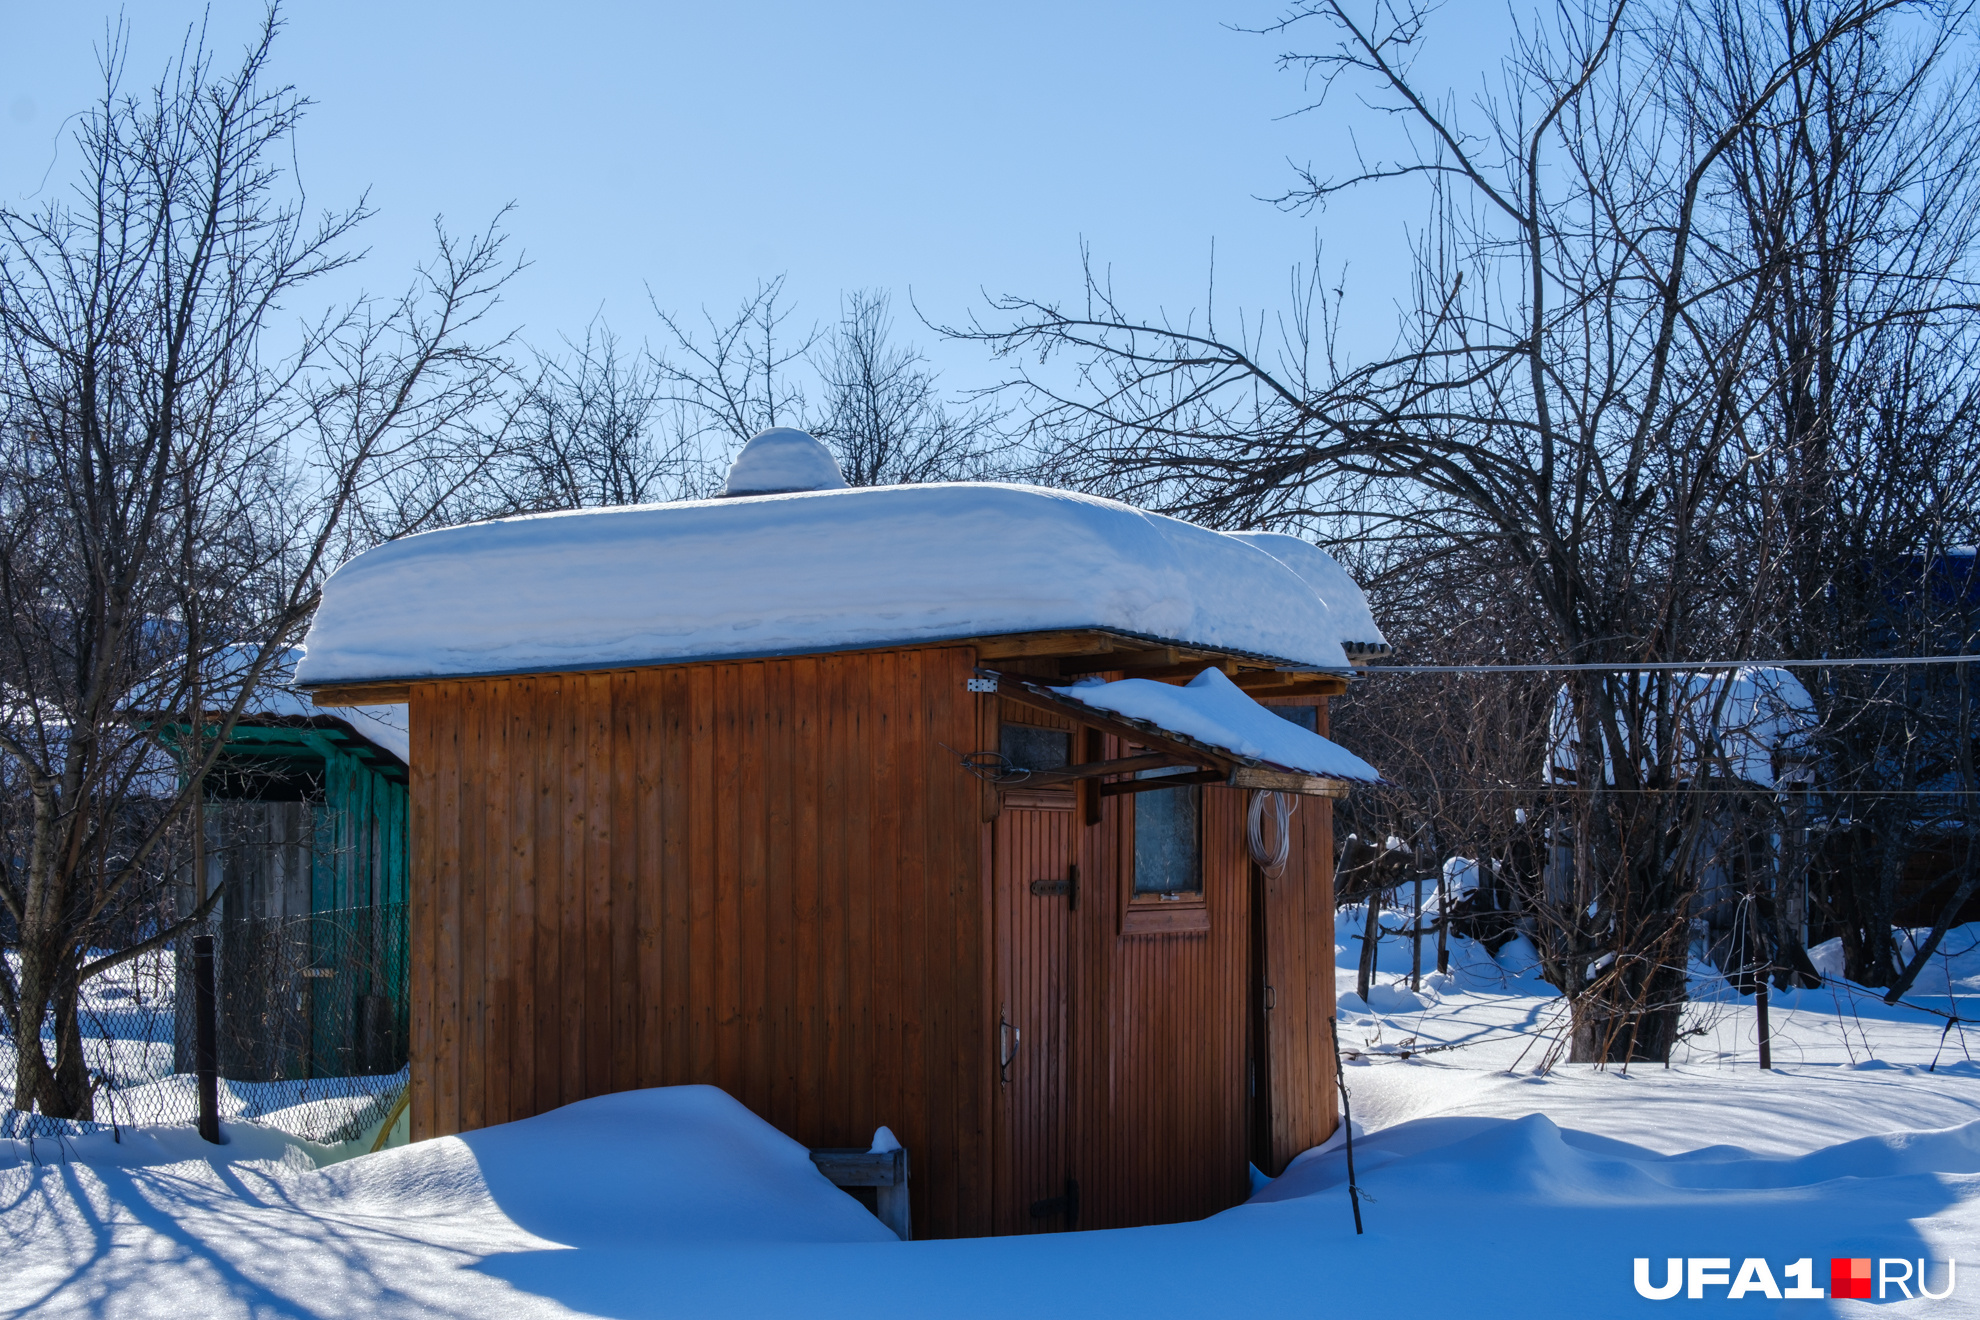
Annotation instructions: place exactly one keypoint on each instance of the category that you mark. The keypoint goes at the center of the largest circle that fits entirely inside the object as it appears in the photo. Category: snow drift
(678, 1164)
(780, 460)
(1353, 620)
(1527, 1191)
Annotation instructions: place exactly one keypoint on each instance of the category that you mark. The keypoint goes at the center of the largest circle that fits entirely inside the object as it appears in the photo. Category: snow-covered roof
(1353, 622)
(1212, 710)
(818, 570)
(1760, 718)
(384, 727)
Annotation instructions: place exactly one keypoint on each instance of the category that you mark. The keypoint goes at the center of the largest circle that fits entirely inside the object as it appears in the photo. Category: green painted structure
(305, 821)
(357, 792)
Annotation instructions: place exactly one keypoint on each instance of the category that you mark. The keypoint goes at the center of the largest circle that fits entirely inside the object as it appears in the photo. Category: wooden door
(1035, 852)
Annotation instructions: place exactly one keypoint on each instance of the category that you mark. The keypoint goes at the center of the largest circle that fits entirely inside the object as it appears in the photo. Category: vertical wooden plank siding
(761, 876)
(785, 1009)
(647, 733)
(520, 753)
(808, 989)
(1161, 1041)
(746, 993)
(500, 1033)
(447, 1015)
(671, 1053)
(572, 827)
(473, 805)
(772, 877)
(421, 926)
(1036, 841)
(595, 727)
(1300, 966)
(546, 870)
(624, 845)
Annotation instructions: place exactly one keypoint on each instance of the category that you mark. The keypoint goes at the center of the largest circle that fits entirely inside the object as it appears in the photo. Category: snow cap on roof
(806, 572)
(780, 460)
(1213, 710)
(1354, 624)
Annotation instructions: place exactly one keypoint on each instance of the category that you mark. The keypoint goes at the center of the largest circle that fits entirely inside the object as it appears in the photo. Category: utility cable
(1663, 666)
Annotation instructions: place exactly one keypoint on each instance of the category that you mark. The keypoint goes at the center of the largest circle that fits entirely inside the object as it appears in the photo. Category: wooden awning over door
(1201, 762)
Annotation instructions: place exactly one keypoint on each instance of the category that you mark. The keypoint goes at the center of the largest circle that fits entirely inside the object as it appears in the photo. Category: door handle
(1008, 1040)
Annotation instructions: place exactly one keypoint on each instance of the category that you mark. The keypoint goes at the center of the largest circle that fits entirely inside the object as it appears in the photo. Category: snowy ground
(1492, 1189)
(127, 1034)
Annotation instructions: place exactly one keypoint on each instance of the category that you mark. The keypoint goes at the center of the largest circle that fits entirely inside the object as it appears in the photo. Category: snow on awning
(1208, 721)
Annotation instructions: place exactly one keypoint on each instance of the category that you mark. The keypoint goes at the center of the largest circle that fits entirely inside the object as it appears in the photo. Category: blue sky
(939, 149)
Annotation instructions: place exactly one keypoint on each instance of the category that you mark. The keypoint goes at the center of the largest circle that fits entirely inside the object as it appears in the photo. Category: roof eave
(1254, 669)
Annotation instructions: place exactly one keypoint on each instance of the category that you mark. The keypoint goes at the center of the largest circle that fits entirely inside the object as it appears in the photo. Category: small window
(1306, 717)
(1029, 747)
(1168, 857)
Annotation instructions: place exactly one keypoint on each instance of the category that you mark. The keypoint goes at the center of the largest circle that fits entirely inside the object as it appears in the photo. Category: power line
(1569, 789)
(1674, 665)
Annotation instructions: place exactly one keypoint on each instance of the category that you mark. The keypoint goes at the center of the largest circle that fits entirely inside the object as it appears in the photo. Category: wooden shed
(805, 794)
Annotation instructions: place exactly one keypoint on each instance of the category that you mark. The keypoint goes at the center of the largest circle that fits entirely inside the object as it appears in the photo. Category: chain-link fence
(311, 1018)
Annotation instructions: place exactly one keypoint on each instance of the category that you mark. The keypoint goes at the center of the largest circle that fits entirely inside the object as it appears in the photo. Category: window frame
(1053, 797)
(1186, 912)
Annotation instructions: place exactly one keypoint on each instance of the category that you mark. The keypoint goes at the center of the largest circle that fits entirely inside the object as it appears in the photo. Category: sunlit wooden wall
(765, 876)
(773, 877)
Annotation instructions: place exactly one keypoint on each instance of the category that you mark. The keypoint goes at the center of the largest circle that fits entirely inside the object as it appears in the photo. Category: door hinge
(1068, 887)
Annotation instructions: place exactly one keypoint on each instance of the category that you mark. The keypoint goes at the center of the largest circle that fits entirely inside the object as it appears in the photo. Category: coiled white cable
(1271, 860)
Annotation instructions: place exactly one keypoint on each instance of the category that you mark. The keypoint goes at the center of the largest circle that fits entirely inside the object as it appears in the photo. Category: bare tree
(1578, 395)
(1864, 205)
(735, 378)
(879, 405)
(172, 484)
(883, 411)
(1463, 754)
(593, 429)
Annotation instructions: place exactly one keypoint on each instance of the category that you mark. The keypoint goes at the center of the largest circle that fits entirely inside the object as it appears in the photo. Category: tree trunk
(49, 991)
(1371, 939)
(1630, 930)
(70, 1095)
(33, 1079)
(1871, 958)
(1629, 1018)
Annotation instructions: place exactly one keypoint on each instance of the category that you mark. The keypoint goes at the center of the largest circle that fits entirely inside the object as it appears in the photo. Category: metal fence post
(1416, 940)
(206, 1062)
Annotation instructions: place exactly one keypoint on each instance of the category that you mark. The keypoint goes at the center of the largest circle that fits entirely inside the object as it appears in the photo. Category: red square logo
(1849, 1277)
